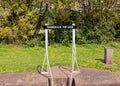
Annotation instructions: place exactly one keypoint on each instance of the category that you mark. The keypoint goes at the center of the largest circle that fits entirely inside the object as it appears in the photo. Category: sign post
(74, 59)
(46, 59)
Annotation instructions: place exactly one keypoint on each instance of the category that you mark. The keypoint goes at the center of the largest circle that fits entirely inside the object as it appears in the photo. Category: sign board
(59, 27)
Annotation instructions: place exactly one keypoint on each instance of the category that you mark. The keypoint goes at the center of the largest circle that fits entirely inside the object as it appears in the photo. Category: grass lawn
(25, 59)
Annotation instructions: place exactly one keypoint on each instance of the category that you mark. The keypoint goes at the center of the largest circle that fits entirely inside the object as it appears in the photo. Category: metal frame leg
(46, 59)
(74, 59)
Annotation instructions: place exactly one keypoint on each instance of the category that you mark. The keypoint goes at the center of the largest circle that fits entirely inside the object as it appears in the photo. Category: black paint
(59, 27)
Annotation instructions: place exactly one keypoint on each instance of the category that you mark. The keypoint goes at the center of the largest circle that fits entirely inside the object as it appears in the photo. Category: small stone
(7, 84)
(19, 82)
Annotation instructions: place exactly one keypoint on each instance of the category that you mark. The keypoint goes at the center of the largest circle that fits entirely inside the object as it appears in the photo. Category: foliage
(21, 21)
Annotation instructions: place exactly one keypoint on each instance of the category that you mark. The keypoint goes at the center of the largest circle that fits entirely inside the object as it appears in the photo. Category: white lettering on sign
(54, 27)
(70, 26)
(59, 27)
(64, 26)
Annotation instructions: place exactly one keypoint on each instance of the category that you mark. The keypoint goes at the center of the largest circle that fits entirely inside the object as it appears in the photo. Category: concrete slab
(36, 79)
(94, 77)
(60, 76)
(13, 79)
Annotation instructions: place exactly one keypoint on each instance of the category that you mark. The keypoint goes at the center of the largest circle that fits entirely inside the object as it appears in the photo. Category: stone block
(108, 56)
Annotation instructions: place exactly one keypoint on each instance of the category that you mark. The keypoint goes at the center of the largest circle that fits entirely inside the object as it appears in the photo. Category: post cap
(46, 24)
(73, 24)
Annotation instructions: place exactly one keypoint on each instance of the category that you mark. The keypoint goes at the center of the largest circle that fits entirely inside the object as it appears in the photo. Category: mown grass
(26, 59)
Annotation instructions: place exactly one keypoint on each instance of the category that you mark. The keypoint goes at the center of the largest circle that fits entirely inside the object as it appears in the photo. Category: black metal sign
(59, 27)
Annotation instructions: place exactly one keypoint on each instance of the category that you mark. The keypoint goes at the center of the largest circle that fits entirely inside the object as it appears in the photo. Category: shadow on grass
(101, 60)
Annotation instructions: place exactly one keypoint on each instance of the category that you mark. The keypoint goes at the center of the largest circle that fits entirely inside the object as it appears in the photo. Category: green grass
(24, 59)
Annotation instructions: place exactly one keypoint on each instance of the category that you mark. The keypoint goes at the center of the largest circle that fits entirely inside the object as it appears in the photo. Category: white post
(46, 52)
(74, 60)
(46, 59)
(46, 45)
(73, 49)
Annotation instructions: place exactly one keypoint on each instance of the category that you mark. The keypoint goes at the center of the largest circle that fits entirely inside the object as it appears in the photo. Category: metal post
(74, 59)
(46, 59)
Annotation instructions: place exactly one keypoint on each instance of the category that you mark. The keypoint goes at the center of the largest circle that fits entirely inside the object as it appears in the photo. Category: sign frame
(74, 59)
